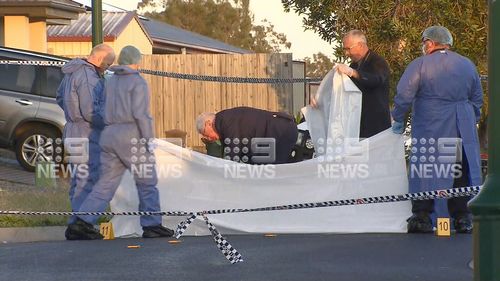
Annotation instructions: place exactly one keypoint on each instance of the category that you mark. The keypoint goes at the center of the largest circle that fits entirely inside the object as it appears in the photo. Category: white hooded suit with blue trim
(129, 126)
(80, 95)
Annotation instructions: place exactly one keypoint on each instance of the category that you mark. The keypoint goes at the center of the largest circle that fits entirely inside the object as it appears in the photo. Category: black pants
(457, 207)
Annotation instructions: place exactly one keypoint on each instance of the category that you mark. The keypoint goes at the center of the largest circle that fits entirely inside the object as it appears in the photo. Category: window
(18, 78)
(54, 77)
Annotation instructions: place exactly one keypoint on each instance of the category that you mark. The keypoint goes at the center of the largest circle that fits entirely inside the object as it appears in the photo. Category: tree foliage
(394, 28)
(318, 66)
(224, 20)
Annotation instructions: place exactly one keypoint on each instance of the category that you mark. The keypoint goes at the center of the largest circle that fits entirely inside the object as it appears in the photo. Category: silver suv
(29, 115)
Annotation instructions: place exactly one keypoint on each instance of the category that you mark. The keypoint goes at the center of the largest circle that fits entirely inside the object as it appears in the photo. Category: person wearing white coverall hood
(445, 91)
(124, 143)
(80, 95)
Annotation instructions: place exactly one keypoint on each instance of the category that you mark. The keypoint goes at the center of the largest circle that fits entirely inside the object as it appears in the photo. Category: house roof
(55, 11)
(159, 33)
(168, 34)
(17, 3)
(114, 23)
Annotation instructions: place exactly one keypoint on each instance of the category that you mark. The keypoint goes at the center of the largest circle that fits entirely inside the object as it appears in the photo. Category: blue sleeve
(60, 92)
(141, 110)
(406, 90)
(90, 98)
(70, 98)
(97, 115)
(86, 92)
(476, 95)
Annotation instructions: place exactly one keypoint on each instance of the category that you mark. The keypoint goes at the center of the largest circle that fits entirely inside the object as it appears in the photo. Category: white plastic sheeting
(191, 181)
(339, 111)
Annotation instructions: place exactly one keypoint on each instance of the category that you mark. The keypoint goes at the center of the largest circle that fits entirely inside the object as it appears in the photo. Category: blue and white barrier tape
(231, 253)
(206, 78)
(424, 195)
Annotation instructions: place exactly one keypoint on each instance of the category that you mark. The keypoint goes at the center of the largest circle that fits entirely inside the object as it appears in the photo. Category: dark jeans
(457, 207)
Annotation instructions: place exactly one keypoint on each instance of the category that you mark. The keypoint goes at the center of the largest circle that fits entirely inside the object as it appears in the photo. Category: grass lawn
(21, 197)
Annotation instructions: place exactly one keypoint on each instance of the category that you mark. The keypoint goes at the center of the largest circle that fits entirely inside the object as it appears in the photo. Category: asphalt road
(402, 257)
(284, 257)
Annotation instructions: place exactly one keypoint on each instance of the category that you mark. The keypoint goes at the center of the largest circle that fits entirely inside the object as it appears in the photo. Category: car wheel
(38, 145)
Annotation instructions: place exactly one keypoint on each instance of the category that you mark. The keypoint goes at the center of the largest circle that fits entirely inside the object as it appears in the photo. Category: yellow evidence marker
(106, 230)
(133, 246)
(443, 227)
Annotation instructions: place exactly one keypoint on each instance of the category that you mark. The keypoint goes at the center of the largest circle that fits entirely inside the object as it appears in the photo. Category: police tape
(230, 252)
(207, 78)
(185, 76)
(41, 63)
(424, 195)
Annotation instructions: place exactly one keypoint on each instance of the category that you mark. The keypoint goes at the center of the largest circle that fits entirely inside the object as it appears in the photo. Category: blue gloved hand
(397, 127)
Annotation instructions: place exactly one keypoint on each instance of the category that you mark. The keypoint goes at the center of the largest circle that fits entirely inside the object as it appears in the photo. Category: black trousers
(457, 207)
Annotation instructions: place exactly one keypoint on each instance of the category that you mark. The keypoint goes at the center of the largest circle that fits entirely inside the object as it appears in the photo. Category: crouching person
(124, 143)
(240, 128)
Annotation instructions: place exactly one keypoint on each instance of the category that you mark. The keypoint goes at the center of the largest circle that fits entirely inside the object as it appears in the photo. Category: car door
(19, 96)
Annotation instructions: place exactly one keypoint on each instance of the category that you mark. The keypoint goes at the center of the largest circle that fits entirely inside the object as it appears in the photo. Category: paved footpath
(11, 171)
(401, 257)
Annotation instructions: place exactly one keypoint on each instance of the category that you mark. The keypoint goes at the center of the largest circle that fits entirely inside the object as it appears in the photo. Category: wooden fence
(176, 103)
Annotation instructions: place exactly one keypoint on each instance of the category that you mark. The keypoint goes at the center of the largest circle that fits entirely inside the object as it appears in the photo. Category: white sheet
(338, 114)
(191, 181)
(197, 182)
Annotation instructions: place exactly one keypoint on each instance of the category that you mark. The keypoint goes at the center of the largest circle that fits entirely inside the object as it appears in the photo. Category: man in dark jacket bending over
(250, 135)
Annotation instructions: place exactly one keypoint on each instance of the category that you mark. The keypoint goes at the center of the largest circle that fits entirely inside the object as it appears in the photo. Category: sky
(304, 43)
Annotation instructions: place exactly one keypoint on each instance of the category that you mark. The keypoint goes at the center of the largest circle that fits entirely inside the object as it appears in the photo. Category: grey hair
(202, 118)
(439, 34)
(129, 55)
(358, 35)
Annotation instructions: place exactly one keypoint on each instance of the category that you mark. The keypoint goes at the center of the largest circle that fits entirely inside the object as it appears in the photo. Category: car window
(54, 76)
(19, 78)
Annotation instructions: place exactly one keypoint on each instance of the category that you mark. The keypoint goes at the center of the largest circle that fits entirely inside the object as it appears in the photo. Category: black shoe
(463, 224)
(156, 231)
(420, 223)
(81, 230)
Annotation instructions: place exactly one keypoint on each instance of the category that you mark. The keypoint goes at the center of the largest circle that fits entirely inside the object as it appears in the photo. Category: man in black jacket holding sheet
(370, 73)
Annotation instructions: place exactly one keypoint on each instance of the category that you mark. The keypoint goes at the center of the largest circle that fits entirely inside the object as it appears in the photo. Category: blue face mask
(108, 74)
